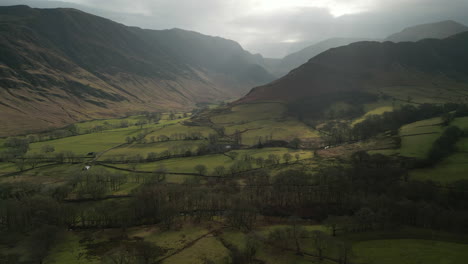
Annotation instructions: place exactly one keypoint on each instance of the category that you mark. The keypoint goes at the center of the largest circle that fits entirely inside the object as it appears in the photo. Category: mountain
(59, 66)
(296, 59)
(405, 68)
(439, 30)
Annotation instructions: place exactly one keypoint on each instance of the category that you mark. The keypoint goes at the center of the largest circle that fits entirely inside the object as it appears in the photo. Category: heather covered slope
(62, 65)
(374, 67)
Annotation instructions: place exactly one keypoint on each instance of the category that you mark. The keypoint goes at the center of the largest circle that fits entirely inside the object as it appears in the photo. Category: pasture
(452, 168)
(417, 138)
(144, 148)
(375, 111)
(187, 164)
(410, 251)
(83, 144)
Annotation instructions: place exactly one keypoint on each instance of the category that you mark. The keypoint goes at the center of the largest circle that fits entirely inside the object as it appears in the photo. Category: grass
(426, 94)
(266, 229)
(462, 145)
(262, 121)
(50, 175)
(83, 144)
(178, 128)
(274, 255)
(7, 167)
(208, 248)
(187, 165)
(117, 121)
(410, 251)
(158, 147)
(170, 239)
(460, 122)
(2, 141)
(377, 111)
(99, 141)
(286, 129)
(250, 112)
(69, 250)
(418, 137)
(452, 168)
(112, 122)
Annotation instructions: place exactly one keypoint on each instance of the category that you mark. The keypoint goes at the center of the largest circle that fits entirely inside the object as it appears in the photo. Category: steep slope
(62, 65)
(439, 30)
(296, 59)
(372, 66)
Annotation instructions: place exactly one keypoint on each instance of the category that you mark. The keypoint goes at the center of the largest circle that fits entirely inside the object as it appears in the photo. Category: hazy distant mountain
(62, 65)
(437, 30)
(373, 65)
(296, 59)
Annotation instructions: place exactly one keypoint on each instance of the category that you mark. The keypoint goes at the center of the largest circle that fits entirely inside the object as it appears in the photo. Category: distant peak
(435, 30)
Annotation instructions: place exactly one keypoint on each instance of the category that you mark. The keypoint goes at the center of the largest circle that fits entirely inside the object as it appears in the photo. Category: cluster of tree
(68, 131)
(246, 163)
(15, 147)
(370, 193)
(141, 137)
(325, 246)
(96, 183)
(445, 144)
(392, 121)
(337, 132)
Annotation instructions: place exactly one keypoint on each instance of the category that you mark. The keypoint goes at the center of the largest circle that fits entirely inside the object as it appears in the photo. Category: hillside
(296, 59)
(60, 66)
(439, 30)
(378, 68)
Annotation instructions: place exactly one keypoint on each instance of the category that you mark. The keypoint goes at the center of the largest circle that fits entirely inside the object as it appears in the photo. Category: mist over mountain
(298, 58)
(438, 30)
(64, 65)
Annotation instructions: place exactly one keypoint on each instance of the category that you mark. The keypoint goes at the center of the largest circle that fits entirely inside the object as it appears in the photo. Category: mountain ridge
(364, 65)
(437, 30)
(68, 66)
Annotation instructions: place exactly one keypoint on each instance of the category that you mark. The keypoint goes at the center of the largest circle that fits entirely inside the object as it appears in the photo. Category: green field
(208, 248)
(418, 137)
(111, 122)
(180, 129)
(187, 165)
(70, 250)
(376, 111)
(83, 144)
(53, 175)
(175, 147)
(257, 122)
(410, 251)
(287, 130)
(460, 122)
(452, 168)
(6, 167)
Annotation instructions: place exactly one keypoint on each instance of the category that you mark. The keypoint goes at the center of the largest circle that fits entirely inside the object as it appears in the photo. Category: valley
(189, 152)
(124, 145)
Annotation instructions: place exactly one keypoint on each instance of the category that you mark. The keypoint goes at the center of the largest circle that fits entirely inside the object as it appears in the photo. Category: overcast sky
(272, 27)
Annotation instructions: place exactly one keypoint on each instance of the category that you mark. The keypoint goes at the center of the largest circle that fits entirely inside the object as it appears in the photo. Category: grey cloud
(267, 32)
